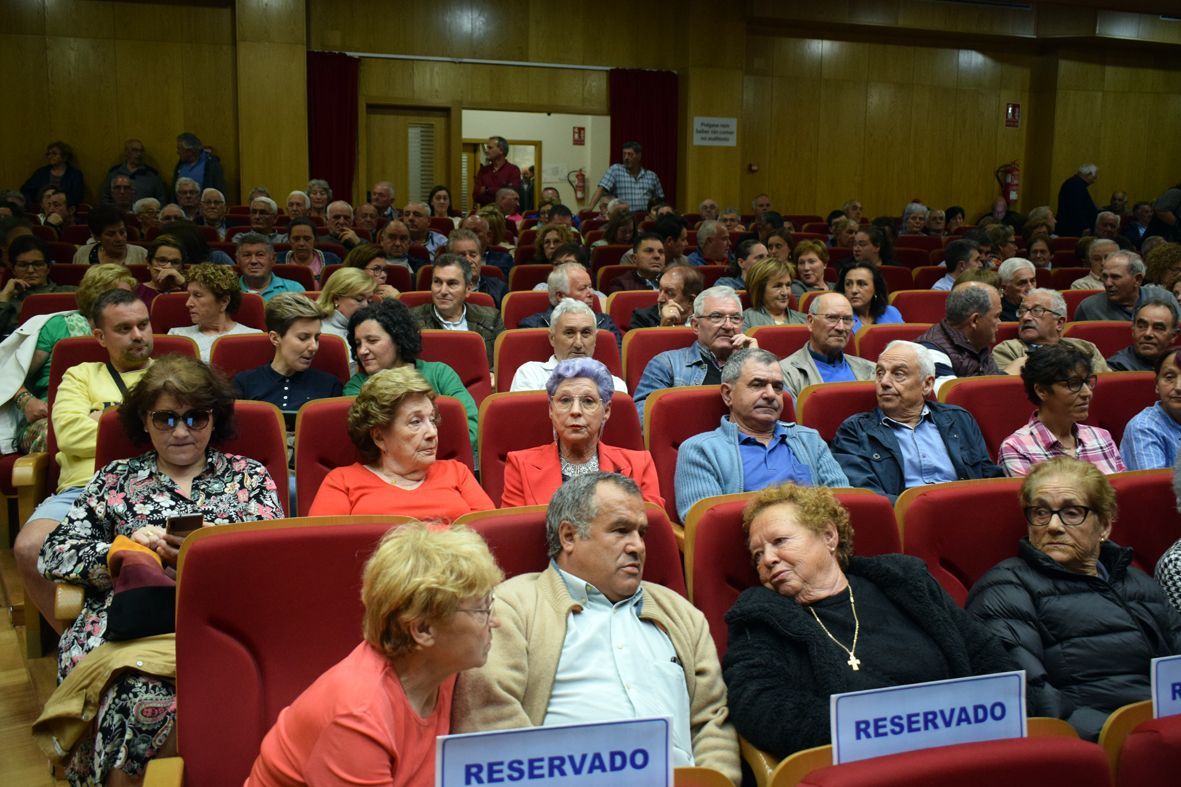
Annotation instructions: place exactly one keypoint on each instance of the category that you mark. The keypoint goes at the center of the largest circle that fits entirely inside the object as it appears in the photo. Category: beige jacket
(799, 370)
(1011, 349)
(513, 688)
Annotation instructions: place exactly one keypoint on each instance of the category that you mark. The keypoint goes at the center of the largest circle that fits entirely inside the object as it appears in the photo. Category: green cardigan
(445, 382)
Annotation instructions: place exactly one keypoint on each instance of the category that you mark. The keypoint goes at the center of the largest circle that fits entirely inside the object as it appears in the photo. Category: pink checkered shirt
(1034, 443)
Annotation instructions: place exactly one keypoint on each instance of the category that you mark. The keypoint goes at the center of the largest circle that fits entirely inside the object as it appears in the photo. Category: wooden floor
(24, 684)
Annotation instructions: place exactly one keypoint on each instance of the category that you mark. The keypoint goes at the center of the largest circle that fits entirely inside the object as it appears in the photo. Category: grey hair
(912, 208)
(184, 182)
(1090, 170)
(718, 291)
(1102, 242)
(307, 201)
(965, 301)
(559, 279)
(1057, 302)
(814, 304)
(921, 353)
(459, 261)
(500, 192)
(708, 230)
(1167, 300)
(573, 368)
(338, 203)
(144, 203)
(615, 203)
(1012, 266)
(319, 183)
(1100, 216)
(189, 141)
(260, 191)
(575, 502)
(755, 201)
(732, 369)
(270, 203)
(214, 191)
(462, 234)
(1135, 262)
(568, 306)
(251, 239)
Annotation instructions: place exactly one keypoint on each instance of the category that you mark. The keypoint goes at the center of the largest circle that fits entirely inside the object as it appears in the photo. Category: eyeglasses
(838, 319)
(585, 403)
(212, 202)
(1071, 516)
(1075, 384)
(483, 615)
(717, 318)
(31, 264)
(167, 420)
(1036, 311)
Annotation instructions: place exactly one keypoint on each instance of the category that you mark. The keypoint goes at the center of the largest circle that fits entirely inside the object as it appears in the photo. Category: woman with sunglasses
(1060, 382)
(114, 542)
(1073, 612)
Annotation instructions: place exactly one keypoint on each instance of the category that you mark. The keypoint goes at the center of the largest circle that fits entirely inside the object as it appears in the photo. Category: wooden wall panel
(24, 134)
(709, 171)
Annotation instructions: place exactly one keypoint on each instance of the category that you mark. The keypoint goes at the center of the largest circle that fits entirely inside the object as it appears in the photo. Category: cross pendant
(854, 662)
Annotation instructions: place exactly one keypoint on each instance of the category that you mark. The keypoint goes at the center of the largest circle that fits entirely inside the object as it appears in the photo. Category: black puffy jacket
(1084, 642)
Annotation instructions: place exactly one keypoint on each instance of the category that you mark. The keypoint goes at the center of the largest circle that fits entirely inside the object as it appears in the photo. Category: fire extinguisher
(1009, 178)
(577, 179)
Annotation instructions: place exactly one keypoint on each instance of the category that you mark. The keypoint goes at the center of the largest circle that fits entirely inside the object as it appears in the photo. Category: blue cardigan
(869, 453)
(709, 464)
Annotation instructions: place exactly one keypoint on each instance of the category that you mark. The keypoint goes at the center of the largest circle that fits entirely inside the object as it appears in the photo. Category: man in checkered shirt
(630, 181)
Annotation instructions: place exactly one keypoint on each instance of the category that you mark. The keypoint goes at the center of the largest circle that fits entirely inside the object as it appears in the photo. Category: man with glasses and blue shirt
(717, 321)
(823, 358)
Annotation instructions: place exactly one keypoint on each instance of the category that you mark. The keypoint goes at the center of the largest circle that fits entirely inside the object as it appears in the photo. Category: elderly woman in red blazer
(579, 405)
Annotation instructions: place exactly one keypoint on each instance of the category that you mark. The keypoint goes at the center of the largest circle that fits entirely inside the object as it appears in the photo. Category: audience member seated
(1040, 252)
(570, 280)
(1042, 317)
(375, 715)
(1151, 436)
(1124, 290)
(395, 426)
(717, 322)
(963, 341)
(713, 245)
(214, 299)
(936, 222)
(213, 212)
(395, 245)
(955, 218)
(264, 212)
(1079, 618)
(466, 244)
(59, 172)
(371, 259)
(340, 226)
(872, 244)
(572, 334)
(1002, 244)
(844, 231)
(579, 392)
(1137, 229)
(1107, 226)
(171, 213)
(1060, 382)
(288, 381)
(113, 541)
(1018, 276)
(442, 206)
(166, 261)
(747, 253)
(383, 336)
(56, 212)
(959, 256)
(451, 281)
(319, 195)
(1154, 327)
(1168, 568)
(797, 640)
(778, 244)
(648, 259)
(732, 220)
(620, 230)
(823, 358)
(188, 197)
(478, 225)
(914, 219)
(908, 440)
(811, 260)
(768, 284)
(547, 665)
(1094, 251)
(1162, 263)
(674, 234)
(752, 449)
(256, 261)
(862, 283)
(28, 260)
(109, 240)
(416, 219)
(679, 285)
(301, 234)
(549, 239)
(348, 290)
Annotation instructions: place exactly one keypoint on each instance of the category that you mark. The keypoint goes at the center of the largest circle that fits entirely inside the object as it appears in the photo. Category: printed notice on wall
(715, 132)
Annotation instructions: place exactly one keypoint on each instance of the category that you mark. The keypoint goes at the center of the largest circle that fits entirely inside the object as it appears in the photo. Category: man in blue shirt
(256, 259)
(769, 451)
(629, 180)
(823, 358)
(907, 440)
(1151, 436)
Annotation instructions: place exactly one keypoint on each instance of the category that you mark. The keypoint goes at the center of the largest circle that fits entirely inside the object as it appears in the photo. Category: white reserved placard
(885, 721)
(715, 132)
(608, 754)
(1166, 686)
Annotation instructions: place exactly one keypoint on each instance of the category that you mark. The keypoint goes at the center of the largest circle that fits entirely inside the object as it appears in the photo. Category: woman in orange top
(579, 405)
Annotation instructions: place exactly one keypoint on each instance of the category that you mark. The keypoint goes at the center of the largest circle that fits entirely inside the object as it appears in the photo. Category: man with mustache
(587, 640)
(823, 358)
(752, 449)
(1042, 315)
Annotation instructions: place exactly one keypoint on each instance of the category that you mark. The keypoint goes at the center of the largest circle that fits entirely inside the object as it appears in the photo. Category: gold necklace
(853, 661)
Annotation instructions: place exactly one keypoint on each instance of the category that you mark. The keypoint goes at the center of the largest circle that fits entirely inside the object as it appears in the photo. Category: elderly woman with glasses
(115, 542)
(579, 392)
(373, 718)
(1081, 621)
(1060, 383)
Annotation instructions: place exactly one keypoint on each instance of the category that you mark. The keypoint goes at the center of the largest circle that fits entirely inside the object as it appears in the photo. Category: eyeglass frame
(181, 418)
(1028, 512)
(486, 612)
(1075, 384)
(719, 319)
(586, 403)
(1023, 310)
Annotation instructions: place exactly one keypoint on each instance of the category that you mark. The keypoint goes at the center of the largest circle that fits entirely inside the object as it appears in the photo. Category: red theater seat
(641, 345)
(1148, 520)
(1074, 297)
(522, 278)
(463, 351)
(414, 298)
(47, 303)
(920, 305)
(1118, 397)
(1110, 336)
(997, 402)
(516, 347)
(169, 311)
(825, 407)
(872, 339)
(781, 340)
(243, 352)
(301, 274)
(620, 305)
(518, 305)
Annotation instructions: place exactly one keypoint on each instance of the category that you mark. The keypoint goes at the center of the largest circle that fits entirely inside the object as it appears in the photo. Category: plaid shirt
(1034, 443)
(1150, 440)
(637, 191)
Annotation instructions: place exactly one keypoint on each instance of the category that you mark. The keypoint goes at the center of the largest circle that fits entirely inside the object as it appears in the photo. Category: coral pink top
(448, 491)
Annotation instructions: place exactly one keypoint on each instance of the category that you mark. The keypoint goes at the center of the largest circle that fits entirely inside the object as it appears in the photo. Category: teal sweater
(445, 382)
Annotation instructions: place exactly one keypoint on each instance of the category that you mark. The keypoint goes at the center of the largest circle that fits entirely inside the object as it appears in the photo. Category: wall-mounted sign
(1012, 115)
(580, 135)
(715, 132)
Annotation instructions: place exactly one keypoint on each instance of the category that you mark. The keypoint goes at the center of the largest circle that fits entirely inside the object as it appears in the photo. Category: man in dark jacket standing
(1076, 209)
(906, 440)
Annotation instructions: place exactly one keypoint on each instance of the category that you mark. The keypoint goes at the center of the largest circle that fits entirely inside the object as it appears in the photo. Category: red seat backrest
(925, 242)
(1148, 520)
(607, 273)
(516, 421)
(463, 351)
(825, 407)
(60, 253)
(243, 352)
(515, 347)
(718, 564)
(897, 277)
(1006, 331)
(1110, 336)
(522, 278)
(315, 456)
(911, 258)
(1151, 753)
(74, 350)
(711, 273)
(258, 434)
(610, 254)
(641, 345)
(1062, 278)
(414, 298)
(920, 305)
(620, 305)
(47, 303)
(518, 305)
(924, 277)
(169, 311)
(871, 340)
(1064, 243)
(1118, 397)
(781, 340)
(301, 274)
(1074, 297)
(68, 273)
(961, 529)
(997, 402)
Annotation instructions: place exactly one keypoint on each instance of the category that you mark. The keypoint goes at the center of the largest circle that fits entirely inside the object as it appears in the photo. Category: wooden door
(409, 148)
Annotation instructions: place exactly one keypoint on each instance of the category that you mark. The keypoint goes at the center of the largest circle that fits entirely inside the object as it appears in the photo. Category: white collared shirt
(533, 375)
(458, 325)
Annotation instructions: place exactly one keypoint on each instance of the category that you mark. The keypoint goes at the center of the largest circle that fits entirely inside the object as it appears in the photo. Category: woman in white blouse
(214, 297)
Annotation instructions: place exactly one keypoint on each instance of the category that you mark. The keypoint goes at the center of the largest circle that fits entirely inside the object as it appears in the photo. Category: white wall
(558, 153)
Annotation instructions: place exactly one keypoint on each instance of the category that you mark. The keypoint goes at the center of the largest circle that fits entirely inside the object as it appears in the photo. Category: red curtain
(332, 120)
(645, 108)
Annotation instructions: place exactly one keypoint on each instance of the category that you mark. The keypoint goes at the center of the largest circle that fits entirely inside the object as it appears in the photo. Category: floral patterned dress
(137, 712)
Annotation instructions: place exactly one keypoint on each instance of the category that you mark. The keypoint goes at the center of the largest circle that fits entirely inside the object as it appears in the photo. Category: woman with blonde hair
(346, 291)
(497, 228)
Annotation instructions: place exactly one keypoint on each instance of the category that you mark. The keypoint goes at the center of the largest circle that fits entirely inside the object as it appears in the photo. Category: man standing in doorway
(497, 174)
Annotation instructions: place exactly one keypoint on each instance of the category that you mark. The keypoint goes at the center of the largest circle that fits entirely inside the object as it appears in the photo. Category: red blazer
(532, 476)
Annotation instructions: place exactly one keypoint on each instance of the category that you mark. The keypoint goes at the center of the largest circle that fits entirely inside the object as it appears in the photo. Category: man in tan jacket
(823, 359)
(1042, 318)
(587, 641)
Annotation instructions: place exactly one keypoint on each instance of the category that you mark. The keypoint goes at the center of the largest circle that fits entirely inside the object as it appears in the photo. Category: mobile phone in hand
(183, 525)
